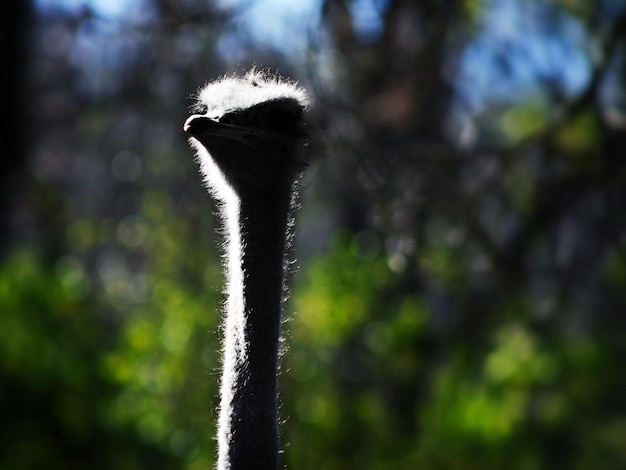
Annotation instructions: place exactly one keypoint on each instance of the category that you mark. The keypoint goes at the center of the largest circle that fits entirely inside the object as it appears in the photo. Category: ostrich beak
(204, 128)
(197, 126)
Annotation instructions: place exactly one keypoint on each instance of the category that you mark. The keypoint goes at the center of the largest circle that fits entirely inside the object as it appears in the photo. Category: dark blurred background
(461, 297)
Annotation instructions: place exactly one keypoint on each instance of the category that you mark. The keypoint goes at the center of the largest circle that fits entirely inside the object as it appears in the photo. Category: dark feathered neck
(249, 415)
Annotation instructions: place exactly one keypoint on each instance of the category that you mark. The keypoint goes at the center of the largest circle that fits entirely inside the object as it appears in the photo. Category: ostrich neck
(248, 423)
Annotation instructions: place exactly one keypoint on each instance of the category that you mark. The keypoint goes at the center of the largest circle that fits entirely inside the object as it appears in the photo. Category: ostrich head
(252, 131)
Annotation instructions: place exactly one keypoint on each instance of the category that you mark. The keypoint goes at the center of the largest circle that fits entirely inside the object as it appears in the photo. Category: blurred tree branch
(16, 42)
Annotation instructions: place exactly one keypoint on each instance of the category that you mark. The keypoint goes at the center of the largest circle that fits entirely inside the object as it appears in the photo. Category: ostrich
(250, 138)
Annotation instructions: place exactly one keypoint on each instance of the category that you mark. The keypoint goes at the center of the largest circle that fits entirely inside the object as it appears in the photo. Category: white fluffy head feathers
(257, 86)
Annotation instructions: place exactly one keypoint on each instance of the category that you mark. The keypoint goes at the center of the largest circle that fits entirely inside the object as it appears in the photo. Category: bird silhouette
(250, 138)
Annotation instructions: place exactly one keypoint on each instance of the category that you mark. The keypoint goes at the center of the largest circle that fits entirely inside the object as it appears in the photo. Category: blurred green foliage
(460, 302)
